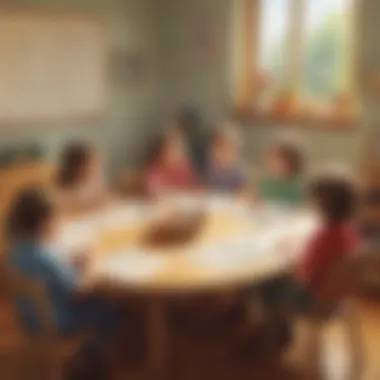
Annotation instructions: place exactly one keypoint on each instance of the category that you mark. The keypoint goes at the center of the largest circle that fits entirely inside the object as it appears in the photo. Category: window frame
(246, 82)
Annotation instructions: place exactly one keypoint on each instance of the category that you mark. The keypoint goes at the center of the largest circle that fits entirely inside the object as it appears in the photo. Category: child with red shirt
(334, 198)
(169, 169)
(309, 290)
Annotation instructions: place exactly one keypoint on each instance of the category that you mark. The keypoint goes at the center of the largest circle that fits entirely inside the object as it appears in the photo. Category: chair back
(356, 272)
(34, 290)
(366, 270)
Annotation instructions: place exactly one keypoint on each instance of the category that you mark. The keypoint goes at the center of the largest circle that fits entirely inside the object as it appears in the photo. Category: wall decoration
(53, 67)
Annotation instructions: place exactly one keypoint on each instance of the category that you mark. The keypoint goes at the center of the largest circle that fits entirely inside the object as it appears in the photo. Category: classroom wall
(177, 71)
(206, 81)
(131, 26)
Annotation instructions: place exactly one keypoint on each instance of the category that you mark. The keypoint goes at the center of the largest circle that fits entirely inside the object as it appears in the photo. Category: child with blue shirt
(31, 227)
(225, 172)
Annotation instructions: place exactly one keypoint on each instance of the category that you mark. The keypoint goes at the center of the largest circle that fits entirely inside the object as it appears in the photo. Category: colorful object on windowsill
(286, 105)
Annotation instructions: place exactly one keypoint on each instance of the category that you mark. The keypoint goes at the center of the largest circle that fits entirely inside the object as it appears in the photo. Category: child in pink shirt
(170, 169)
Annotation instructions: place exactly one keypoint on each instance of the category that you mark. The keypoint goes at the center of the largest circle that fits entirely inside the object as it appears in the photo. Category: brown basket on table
(176, 228)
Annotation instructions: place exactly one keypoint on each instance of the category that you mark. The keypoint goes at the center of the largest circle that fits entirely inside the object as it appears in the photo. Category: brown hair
(293, 156)
(335, 195)
(31, 208)
(73, 159)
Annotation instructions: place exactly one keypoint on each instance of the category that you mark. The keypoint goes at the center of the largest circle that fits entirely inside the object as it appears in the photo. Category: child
(309, 290)
(31, 227)
(334, 198)
(315, 290)
(169, 169)
(80, 178)
(225, 172)
(283, 182)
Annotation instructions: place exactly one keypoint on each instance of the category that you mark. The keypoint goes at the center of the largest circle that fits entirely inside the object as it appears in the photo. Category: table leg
(157, 335)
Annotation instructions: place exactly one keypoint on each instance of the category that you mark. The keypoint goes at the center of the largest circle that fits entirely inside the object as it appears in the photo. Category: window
(298, 61)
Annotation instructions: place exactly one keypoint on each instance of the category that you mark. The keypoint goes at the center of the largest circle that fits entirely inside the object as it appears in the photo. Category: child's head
(188, 121)
(80, 164)
(286, 160)
(32, 216)
(169, 151)
(334, 196)
(226, 146)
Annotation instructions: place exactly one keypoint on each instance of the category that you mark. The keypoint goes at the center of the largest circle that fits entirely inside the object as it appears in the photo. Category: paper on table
(230, 254)
(217, 201)
(130, 266)
(123, 216)
(74, 236)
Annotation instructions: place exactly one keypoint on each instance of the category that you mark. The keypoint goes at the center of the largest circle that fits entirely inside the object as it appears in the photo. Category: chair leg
(313, 349)
(55, 370)
(354, 337)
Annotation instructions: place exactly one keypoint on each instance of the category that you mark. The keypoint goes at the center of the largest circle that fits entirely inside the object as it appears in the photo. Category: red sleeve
(310, 258)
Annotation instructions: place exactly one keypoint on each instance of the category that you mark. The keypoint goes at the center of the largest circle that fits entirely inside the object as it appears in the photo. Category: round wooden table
(239, 245)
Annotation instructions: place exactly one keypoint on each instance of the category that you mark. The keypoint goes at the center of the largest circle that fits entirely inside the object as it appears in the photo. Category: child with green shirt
(283, 182)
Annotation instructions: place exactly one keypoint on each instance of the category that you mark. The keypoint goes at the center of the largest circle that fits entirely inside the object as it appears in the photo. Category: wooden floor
(221, 357)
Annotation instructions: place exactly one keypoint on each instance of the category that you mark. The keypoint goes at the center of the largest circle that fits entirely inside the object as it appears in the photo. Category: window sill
(315, 123)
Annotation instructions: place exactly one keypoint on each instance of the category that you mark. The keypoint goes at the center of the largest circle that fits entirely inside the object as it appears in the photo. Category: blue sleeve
(60, 275)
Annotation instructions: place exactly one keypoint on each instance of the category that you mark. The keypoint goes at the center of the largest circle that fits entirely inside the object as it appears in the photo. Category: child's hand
(80, 260)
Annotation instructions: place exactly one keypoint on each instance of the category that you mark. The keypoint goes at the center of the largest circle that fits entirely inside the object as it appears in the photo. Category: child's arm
(64, 277)
(60, 274)
(81, 260)
(304, 268)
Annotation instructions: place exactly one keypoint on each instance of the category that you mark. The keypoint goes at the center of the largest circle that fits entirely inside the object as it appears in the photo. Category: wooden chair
(315, 323)
(56, 351)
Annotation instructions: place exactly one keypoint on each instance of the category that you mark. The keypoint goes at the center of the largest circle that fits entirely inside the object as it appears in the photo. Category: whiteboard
(52, 66)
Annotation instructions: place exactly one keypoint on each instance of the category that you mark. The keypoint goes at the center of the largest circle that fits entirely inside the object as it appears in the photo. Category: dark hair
(335, 195)
(31, 208)
(73, 159)
(156, 148)
(190, 120)
(293, 155)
